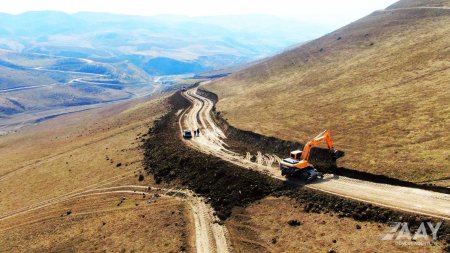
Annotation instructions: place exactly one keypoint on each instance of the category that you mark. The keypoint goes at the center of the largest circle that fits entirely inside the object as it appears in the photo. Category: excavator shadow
(293, 180)
(327, 177)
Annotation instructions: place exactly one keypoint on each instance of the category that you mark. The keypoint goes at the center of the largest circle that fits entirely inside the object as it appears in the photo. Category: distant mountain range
(192, 44)
(51, 62)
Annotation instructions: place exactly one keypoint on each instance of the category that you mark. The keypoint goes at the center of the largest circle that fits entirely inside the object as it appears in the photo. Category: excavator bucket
(336, 154)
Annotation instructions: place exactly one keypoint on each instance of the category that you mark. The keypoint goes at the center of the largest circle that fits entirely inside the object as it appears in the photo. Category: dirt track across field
(211, 141)
(209, 235)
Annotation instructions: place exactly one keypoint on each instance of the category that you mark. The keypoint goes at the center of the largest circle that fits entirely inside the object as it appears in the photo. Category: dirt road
(402, 198)
(209, 235)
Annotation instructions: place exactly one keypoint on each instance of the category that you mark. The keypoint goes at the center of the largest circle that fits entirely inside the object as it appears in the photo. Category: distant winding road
(78, 79)
(402, 198)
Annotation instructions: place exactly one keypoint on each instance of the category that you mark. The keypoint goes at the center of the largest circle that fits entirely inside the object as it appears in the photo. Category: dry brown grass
(70, 152)
(253, 230)
(419, 3)
(74, 153)
(380, 84)
(97, 224)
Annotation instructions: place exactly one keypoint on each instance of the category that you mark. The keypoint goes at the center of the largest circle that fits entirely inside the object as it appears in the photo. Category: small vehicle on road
(187, 134)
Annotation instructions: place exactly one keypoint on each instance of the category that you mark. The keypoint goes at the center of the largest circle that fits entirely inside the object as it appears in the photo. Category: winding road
(211, 141)
(88, 77)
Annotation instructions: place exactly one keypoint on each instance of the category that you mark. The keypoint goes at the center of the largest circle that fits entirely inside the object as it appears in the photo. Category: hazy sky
(330, 12)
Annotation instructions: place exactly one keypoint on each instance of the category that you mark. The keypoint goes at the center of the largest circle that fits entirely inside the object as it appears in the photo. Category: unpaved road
(402, 198)
(27, 87)
(78, 79)
(209, 235)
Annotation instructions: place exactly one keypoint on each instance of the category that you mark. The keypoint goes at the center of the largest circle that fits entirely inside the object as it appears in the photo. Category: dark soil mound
(224, 184)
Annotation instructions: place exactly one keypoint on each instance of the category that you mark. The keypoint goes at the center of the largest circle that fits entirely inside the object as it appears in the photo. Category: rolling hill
(32, 83)
(73, 154)
(381, 84)
(208, 42)
(51, 60)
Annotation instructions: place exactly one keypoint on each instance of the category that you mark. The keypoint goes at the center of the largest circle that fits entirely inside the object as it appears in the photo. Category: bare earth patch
(268, 226)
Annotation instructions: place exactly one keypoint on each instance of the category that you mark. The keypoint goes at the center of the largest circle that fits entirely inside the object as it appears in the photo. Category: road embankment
(227, 185)
(224, 185)
(247, 141)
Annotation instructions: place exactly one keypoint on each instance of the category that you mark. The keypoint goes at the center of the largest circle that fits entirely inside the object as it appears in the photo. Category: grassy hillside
(13, 78)
(33, 82)
(381, 84)
(98, 225)
(75, 153)
(267, 229)
(419, 3)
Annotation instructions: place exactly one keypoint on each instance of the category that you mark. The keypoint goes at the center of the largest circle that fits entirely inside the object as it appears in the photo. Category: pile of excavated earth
(224, 184)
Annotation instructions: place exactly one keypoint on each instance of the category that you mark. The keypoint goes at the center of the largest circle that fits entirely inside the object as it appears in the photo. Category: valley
(195, 132)
(71, 91)
(54, 68)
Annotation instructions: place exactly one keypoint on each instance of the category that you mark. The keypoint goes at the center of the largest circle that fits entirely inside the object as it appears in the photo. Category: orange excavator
(298, 163)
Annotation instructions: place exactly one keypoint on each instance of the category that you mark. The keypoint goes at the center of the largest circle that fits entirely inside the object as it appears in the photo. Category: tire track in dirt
(51, 157)
(69, 194)
(95, 192)
(396, 197)
(210, 236)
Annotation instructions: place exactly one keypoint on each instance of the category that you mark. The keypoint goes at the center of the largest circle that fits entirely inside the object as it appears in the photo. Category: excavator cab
(296, 155)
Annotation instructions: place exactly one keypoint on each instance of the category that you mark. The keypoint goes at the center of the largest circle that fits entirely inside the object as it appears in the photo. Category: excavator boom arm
(325, 136)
